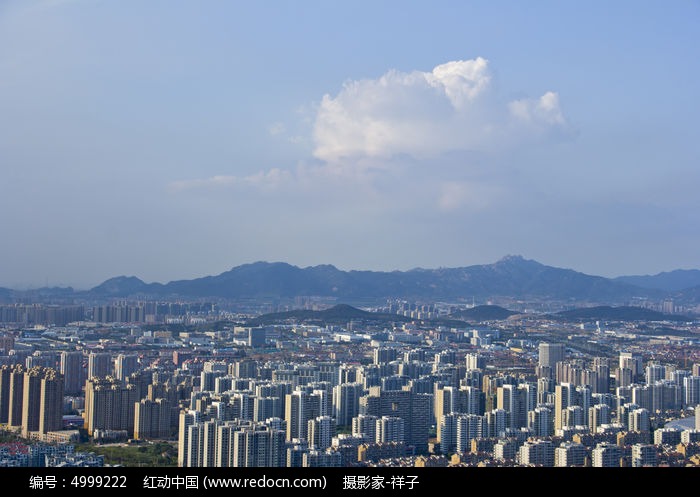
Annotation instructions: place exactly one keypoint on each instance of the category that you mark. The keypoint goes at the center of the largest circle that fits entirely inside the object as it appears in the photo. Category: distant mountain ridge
(671, 281)
(510, 277)
(120, 286)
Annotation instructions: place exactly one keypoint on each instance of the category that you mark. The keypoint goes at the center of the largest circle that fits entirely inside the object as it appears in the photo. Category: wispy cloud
(262, 179)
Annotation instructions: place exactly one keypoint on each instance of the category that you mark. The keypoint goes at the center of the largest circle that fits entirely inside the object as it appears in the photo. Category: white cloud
(544, 110)
(462, 81)
(263, 179)
(433, 134)
(427, 113)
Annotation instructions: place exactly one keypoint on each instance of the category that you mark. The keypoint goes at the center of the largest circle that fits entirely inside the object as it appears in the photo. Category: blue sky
(172, 139)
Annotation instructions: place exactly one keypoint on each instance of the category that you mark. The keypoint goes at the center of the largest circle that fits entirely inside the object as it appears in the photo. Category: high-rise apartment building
(639, 420)
(321, 431)
(5, 393)
(598, 415)
(644, 455)
(469, 427)
(300, 407)
(42, 403)
(563, 398)
(606, 455)
(152, 419)
(16, 395)
(346, 402)
(414, 408)
(125, 365)
(365, 425)
(570, 454)
(267, 407)
(550, 354)
(691, 389)
(537, 453)
(109, 405)
(631, 361)
(99, 365)
(390, 429)
(541, 421)
(186, 419)
(230, 444)
(258, 446)
(74, 375)
(475, 361)
(51, 401)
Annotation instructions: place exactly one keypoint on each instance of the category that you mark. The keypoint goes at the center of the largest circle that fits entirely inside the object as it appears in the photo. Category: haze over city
(172, 140)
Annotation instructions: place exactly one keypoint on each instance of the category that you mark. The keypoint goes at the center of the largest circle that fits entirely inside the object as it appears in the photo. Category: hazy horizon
(173, 140)
(97, 283)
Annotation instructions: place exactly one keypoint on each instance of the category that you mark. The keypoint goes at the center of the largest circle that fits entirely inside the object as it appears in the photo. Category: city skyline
(172, 140)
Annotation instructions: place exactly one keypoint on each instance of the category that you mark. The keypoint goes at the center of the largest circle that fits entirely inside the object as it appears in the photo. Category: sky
(174, 139)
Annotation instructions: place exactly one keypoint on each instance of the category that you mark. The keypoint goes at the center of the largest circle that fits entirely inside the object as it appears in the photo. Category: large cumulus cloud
(435, 130)
(452, 107)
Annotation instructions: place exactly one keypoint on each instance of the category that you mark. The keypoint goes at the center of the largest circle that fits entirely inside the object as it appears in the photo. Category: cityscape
(311, 382)
(278, 244)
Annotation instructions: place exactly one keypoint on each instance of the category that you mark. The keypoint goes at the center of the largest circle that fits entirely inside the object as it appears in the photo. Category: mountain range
(510, 277)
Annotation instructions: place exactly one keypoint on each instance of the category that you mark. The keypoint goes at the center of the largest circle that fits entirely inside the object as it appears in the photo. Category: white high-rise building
(300, 407)
(541, 421)
(690, 436)
(475, 361)
(644, 455)
(569, 454)
(390, 429)
(257, 445)
(691, 388)
(469, 427)
(365, 425)
(495, 423)
(187, 418)
(654, 372)
(598, 415)
(447, 432)
(639, 420)
(199, 445)
(631, 361)
(564, 396)
(508, 399)
(321, 431)
(472, 398)
(606, 455)
(537, 453)
(667, 436)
